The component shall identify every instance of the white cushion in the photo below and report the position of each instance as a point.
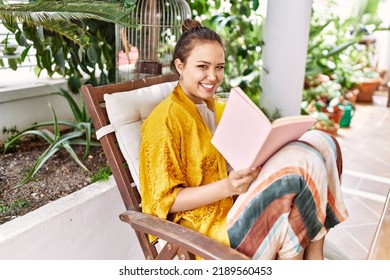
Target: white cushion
(126, 111)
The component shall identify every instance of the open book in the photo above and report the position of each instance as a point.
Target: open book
(245, 136)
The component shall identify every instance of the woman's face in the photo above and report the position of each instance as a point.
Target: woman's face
(203, 71)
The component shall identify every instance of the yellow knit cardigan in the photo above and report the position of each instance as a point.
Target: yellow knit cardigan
(176, 153)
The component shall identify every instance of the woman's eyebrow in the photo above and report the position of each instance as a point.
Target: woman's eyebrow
(202, 61)
(206, 62)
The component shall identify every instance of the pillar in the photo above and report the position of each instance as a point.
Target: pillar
(286, 37)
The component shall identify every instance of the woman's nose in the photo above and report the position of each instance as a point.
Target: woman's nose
(211, 75)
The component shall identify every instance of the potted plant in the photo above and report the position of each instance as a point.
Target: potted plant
(326, 98)
(368, 82)
(325, 124)
(328, 126)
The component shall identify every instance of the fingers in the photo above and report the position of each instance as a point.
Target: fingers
(247, 172)
(240, 180)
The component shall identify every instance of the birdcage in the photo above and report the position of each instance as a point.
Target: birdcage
(147, 49)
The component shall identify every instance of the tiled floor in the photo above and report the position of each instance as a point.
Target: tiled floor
(366, 177)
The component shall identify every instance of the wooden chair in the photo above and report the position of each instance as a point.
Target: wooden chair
(181, 243)
(380, 246)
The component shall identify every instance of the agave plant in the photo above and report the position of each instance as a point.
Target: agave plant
(78, 132)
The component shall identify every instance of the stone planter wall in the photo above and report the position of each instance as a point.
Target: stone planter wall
(82, 225)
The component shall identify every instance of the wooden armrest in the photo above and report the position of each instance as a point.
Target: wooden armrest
(380, 247)
(190, 240)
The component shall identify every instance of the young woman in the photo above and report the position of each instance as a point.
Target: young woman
(283, 209)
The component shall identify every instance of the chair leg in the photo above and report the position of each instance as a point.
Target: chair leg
(388, 95)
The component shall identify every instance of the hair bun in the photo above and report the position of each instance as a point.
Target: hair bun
(189, 24)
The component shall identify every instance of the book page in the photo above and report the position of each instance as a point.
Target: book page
(291, 119)
(241, 131)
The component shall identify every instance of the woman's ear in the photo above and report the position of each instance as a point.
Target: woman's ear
(179, 65)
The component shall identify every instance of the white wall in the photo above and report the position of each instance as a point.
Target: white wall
(22, 105)
(82, 225)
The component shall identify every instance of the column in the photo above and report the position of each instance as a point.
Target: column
(286, 37)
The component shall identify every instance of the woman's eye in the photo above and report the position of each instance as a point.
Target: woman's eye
(221, 67)
(202, 66)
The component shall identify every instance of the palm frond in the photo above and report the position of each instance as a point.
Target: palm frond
(67, 29)
(53, 10)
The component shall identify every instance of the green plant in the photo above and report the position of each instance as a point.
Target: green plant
(11, 132)
(365, 16)
(78, 132)
(73, 38)
(338, 49)
(10, 51)
(276, 114)
(6, 209)
(240, 26)
(324, 91)
(366, 74)
(7, 47)
(103, 174)
(326, 124)
(323, 120)
(328, 38)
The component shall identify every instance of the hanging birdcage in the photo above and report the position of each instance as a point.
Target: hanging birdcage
(147, 49)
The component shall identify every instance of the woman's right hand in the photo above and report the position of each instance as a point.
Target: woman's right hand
(239, 181)
(236, 183)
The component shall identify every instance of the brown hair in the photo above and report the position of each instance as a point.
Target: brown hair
(193, 32)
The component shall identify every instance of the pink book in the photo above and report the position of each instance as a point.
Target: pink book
(245, 136)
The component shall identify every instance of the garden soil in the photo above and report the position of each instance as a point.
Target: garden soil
(58, 177)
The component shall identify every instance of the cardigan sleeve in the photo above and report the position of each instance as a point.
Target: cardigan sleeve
(162, 176)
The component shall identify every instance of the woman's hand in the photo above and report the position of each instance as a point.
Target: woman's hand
(236, 183)
(239, 181)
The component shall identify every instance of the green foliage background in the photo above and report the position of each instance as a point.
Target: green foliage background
(241, 27)
(74, 38)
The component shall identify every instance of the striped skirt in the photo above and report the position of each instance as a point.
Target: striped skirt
(295, 200)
